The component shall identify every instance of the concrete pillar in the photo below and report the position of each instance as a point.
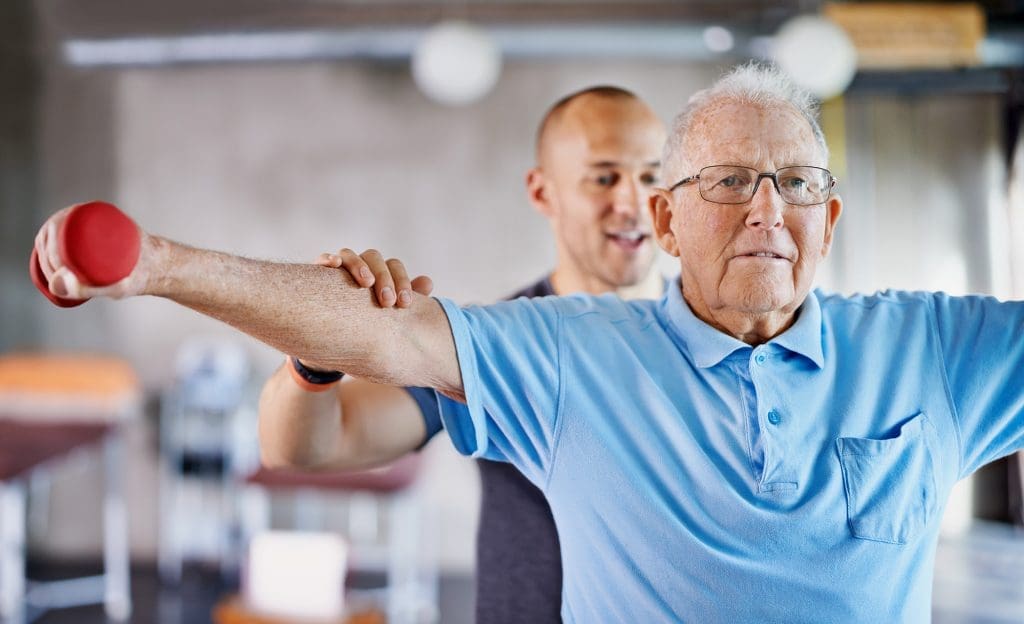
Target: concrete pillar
(19, 169)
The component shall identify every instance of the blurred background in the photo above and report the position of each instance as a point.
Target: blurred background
(279, 130)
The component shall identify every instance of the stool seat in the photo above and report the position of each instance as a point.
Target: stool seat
(390, 478)
(67, 387)
(26, 445)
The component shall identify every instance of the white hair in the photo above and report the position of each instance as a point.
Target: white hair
(756, 83)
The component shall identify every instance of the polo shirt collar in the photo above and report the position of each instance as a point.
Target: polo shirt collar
(709, 346)
(805, 336)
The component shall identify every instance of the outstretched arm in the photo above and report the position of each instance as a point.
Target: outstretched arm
(355, 423)
(313, 312)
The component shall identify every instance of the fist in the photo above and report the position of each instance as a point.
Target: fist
(88, 250)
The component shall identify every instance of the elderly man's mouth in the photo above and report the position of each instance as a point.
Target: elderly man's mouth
(762, 256)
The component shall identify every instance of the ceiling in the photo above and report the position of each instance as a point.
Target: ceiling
(158, 32)
(124, 18)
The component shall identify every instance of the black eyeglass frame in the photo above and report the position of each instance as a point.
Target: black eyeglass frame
(773, 176)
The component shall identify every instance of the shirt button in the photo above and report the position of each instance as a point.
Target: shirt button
(760, 358)
(774, 417)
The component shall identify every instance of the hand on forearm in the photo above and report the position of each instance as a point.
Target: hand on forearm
(354, 424)
(388, 278)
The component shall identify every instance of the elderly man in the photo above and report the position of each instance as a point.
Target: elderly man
(744, 450)
(598, 154)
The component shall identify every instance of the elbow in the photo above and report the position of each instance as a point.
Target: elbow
(276, 455)
(279, 450)
(274, 459)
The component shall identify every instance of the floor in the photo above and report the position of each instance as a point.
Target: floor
(979, 579)
(200, 590)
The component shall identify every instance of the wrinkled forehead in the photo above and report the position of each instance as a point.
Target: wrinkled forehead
(764, 137)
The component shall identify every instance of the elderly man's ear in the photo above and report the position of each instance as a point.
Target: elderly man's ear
(661, 207)
(833, 210)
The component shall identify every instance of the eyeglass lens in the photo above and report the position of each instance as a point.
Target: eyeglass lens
(727, 184)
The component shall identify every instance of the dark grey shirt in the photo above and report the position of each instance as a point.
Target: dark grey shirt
(519, 564)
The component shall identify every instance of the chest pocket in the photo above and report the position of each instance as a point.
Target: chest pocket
(890, 483)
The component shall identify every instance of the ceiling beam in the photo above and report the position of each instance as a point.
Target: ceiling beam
(73, 19)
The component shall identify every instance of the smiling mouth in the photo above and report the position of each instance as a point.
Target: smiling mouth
(628, 239)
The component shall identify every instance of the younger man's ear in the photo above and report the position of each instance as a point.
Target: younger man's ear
(537, 192)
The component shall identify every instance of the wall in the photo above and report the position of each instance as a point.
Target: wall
(19, 169)
(927, 209)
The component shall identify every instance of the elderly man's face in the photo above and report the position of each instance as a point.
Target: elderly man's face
(753, 259)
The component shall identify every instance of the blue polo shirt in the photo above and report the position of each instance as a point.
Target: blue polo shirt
(696, 479)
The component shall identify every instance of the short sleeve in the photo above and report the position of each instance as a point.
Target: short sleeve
(982, 343)
(508, 356)
(426, 400)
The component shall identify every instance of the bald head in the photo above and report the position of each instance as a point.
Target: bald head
(575, 115)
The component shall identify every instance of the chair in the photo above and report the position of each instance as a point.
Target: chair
(201, 444)
(403, 550)
(52, 406)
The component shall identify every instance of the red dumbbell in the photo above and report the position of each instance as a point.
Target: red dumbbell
(98, 242)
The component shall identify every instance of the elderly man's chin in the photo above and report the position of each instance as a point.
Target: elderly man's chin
(760, 296)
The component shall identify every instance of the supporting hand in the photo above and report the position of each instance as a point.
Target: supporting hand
(388, 278)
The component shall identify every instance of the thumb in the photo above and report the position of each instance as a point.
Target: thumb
(64, 283)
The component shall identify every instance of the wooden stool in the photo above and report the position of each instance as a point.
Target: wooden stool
(232, 610)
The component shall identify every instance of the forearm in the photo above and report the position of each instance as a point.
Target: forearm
(302, 310)
(312, 312)
(355, 424)
(297, 428)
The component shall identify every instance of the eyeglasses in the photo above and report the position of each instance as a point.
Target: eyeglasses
(730, 184)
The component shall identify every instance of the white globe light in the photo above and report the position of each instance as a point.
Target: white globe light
(817, 54)
(456, 63)
(718, 39)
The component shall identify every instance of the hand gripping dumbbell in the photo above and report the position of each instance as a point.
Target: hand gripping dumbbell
(98, 243)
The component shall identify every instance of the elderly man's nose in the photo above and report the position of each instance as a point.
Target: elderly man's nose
(766, 207)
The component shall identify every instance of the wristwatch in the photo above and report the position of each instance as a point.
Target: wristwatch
(312, 380)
